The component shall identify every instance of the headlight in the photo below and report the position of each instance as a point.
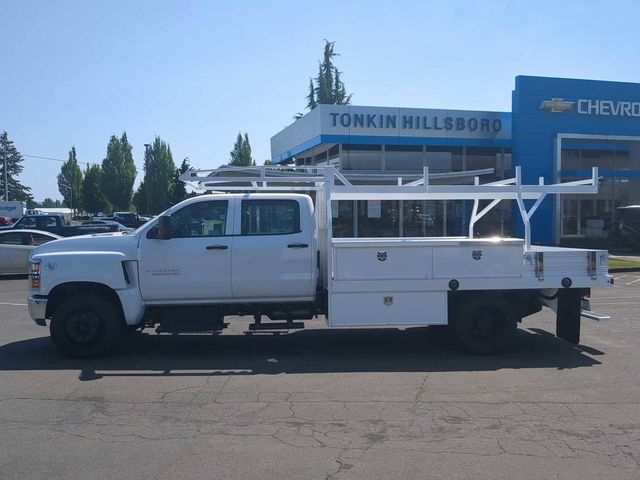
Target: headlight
(34, 275)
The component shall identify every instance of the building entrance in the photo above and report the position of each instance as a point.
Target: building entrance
(618, 160)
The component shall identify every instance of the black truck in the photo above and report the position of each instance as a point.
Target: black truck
(55, 223)
(129, 219)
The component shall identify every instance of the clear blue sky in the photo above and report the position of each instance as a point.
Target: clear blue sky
(197, 72)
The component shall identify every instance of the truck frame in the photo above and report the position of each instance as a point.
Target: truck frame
(480, 287)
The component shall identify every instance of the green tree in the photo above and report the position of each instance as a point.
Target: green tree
(48, 203)
(268, 162)
(118, 173)
(70, 181)
(140, 202)
(93, 200)
(311, 96)
(328, 88)
(155, 191)
(241, 153)
(179, 192)
(16, 190)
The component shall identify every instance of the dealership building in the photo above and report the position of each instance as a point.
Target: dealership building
(557, 129)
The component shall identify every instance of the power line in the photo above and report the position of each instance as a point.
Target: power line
(51, 158)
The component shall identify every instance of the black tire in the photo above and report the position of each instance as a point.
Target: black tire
(483, 325)
(86, 325)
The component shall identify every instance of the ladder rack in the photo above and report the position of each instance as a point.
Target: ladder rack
(330, 184)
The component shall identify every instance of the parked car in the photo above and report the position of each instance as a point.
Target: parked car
(15, 246)
(129, 219)
(5, 221)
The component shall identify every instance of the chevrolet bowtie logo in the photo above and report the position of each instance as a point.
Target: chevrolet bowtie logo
(556, 105)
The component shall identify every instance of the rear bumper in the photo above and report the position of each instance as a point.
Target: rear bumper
(37, 308)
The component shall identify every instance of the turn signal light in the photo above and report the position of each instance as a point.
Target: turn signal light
(34, 275)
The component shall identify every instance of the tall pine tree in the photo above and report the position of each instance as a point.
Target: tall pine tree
(328, 87)
(70, 181)
(241, 153)
(118, 173)
(17, 191)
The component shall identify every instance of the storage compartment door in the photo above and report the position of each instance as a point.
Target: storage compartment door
(387, 262)
(388, 309)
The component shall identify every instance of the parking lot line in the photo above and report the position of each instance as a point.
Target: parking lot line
(14, 304)
(634, 281)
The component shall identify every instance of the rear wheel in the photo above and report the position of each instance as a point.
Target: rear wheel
(483, 325)
(86, 325)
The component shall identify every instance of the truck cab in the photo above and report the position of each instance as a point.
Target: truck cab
(231, 248)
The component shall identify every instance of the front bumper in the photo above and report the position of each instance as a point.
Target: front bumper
(38, 308)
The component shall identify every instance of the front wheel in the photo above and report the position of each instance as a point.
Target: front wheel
(86, 325)
(483, 325)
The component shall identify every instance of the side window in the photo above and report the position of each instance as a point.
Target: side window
(28, 223)
(204, 219)
(39, 239)
(51, 222)
(12, 239)
(270, 217)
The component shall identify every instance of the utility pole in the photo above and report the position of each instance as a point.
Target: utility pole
(148, 151)
(6, 176)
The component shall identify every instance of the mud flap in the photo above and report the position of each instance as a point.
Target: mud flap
(568, 315)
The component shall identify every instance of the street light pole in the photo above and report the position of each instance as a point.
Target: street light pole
(65, 184)
(6, 176)
(148, 151)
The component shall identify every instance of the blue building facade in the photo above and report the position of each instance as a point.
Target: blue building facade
(558, 129)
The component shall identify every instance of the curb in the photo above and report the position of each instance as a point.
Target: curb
(624, 269)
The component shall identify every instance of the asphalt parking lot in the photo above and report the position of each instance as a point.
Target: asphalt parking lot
(325, 404)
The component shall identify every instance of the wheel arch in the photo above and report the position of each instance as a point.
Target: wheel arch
(520, 303)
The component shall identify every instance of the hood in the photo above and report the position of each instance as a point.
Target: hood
(97, 242)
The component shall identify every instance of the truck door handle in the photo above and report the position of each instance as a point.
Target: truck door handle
(217, 247)
(298, 245)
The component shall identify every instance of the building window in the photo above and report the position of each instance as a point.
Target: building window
(479, 158)
(422, 218)
(407, 158)
(378, 218)
(320, 157)
(361, 157)
(593, 216)
(342, 215)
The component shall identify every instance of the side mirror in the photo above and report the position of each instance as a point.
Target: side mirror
(164, 227)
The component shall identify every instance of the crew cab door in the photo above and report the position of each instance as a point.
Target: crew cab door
(274, 251)
(195, 264)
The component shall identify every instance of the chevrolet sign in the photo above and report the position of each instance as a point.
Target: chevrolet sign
(556, 105)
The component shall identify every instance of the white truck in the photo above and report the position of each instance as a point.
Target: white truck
(12, 209)
(272, 254)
